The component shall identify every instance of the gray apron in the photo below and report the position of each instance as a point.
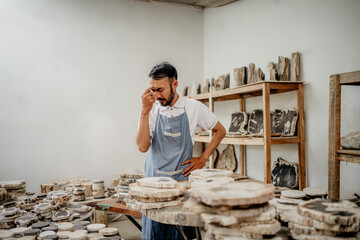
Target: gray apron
(171, 145)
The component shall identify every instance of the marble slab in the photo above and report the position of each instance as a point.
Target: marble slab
(351, 140)
(207, 173)
(157, 182)
(285, 121)
(149, 192)
(330, 211)
(285, 174)
(236, 194)
(227, 159)
(238, 123)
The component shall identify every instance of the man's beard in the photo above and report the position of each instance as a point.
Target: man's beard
(169, 100)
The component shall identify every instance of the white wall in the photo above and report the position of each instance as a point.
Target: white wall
(327, 35)
(71, 77)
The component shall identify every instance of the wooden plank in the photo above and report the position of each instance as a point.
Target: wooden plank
(285, 140)
(211, 107)
(349, 158)
(301, 135)
(267, 133)
(350, 78)
(199, 97)
(250, 140)
(349, 152)
(112, 205)
(286, 87)
(242, 158)
(334, 136)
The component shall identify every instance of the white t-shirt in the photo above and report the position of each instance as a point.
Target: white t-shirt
(199, 115)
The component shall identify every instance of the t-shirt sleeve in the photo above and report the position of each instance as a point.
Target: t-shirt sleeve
(206, 118)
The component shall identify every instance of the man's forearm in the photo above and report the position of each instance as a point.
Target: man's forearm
(219, 134)
(143, 135)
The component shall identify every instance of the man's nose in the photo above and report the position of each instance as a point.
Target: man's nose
(157, 95)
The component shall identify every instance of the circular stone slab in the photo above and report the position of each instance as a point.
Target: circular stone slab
(235, 194)
(206, 173)
(6, 234)
(293, 194)
(31, 232)
(63, 234)
(18, 230)
(149, 192)
(46, 233)
(95, 227)
(132, 173)
(65, 226)
(108, 231)
(211, 182)
(40, 225)
(51, 237)
(157, 182)
(85, 223)
(50, 228)
(77, 235)
(15, 184)
(10, 211)
(27, 238)
(314, 192)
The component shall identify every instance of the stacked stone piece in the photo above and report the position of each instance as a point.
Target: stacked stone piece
(236, 210)
(8, 217)
(79, 194)
(155, 193)
(125, 179)
(98, 189)
(15, 188)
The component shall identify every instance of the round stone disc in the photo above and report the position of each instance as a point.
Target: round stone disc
(77, 235)
(211, 182)
(46, 233)
(18, 230)
(157, 182)
(51, 237)
(50, 228)
(132, 173)
(85, 223)
(65, 226)
(40, 225)
(31, 232)
(108, 231)
(6, 234)
(314, 191)
(95, 227)
(206, 173)
(235, 194)
(149, 192)
(293, 194)
(63, 234)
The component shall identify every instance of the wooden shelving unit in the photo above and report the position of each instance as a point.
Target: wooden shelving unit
(264, 89)
(336, 154)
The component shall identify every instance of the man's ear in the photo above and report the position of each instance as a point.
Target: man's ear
(175, 83)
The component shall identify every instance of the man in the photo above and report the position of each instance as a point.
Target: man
(167, 130)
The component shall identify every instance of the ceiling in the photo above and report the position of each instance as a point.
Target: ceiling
(195, 3)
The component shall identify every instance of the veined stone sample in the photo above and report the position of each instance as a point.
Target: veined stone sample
(235, 194)
(240, 76)
(283, 69)
(285, 121)
(79, 208)
(157, 182)
(61, 215)
(314, 192)
(293, 194)
(154, 193)
(295, 67)
(227, 160)
(259, 75)
(210, 182)
(109, 231)
(95, 227)
(238, 124)
(227, 81)
(98, 188)
(351, 141)
(14, 188)
(206, 86)
(272, 71)
(219, 83)
(79, 194)
(61, 198)
(251, 74)
(207, 173)
(285, 174)
(256, 125)
(3, 194)
(26, 220)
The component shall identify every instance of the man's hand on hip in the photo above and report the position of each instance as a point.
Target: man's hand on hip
(195, 163)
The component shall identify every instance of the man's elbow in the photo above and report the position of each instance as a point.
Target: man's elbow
(143, 149)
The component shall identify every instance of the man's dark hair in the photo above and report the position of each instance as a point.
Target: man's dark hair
(162, 70)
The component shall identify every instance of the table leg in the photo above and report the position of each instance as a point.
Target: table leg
(134, 222)
(198, 233)
(181, 232)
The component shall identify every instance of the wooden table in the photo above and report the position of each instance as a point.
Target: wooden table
(112, 205)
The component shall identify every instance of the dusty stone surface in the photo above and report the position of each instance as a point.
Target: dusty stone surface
(95, 227)
(149, 192)
(330, 211)
(236, 194)
(293, 194)
(13, 184)
(152, 205)
(211, 182)
(207, 173)
(315, 191)
(6, 234)
(77, 235)
(238, 123)
(351, 141)
(157, 182)
(285, 174)
(227, 159)
(65, 226)
(108, 231)
(63, 234)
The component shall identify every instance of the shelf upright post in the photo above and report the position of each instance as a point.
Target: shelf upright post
(242, 158)
(301, 136)
(334, 137)
(211, 107)
(267, 131)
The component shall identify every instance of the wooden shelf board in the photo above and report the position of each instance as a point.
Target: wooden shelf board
(349, 158)
(248, 90)
(250, 140)
(350, 78)
(349, 152)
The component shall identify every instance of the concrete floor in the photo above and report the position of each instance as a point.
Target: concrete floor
(127, 230)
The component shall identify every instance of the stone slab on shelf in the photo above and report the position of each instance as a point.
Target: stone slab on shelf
(227, 159)
(285, 174)
(285, 121)
(351, 141)
(238, 123)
